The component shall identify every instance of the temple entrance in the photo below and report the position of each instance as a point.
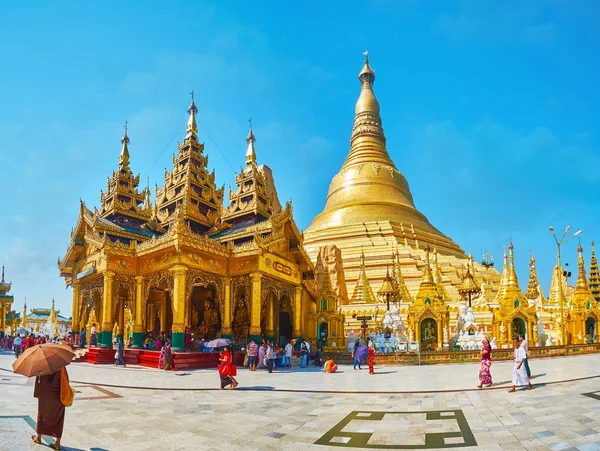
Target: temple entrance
(428, 334)
(159, 313)
(590, 330)
(205, 318)
(285, 328)
(322, 333)
(519, 328)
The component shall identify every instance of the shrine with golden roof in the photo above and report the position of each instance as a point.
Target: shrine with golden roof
(236, 271)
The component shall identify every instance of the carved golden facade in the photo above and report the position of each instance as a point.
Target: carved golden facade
(326, 320)
(583, 311)
(186, 261)
(6, 301)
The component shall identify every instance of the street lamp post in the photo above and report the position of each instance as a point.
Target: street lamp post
(559, 243)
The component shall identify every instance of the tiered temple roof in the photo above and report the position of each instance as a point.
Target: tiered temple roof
(190, 186)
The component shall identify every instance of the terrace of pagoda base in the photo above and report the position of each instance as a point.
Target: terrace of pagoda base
(433, 357)
(144, 357)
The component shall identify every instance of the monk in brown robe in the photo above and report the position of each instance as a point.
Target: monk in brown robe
(51, 411)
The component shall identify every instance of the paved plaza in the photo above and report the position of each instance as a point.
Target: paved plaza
(411, 407)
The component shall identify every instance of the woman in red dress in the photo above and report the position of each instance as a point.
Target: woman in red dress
(227, 370)
(371, 358)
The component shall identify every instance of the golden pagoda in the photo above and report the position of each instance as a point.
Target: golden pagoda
(188, 261)
(514, 315)
(6, 301)
(583, 312)
(594, 275)
(369, 205)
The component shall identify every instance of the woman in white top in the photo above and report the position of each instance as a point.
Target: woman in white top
(519, 373)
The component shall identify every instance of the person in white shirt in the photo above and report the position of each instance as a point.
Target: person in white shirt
(525, 346)
(288, 355)
(519, 378)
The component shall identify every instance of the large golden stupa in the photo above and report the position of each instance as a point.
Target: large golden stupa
(370, 209)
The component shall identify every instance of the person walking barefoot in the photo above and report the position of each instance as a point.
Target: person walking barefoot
(485, 377)
(519, 373)
(371, 358)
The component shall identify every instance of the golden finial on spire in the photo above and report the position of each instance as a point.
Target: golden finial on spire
(191, 126)
(250, 152)
(124, 158)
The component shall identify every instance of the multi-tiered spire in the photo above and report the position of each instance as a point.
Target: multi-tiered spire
(582, 298)
(503, 279)
(189, 188)
(428, 290)
(363, 294)
(369, 188)
(255, 199)
(513, 297)
(534, 291)
(122, 202)
(398, 279)
(594, 275)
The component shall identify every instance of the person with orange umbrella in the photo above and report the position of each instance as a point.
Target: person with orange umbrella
(47, 362)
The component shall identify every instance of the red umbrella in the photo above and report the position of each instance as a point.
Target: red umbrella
(42, 360)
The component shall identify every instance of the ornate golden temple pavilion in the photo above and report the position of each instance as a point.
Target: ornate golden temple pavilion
(188, 260)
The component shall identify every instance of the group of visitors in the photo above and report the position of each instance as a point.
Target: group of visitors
(521, 371)
(19, 343)
(271, 355)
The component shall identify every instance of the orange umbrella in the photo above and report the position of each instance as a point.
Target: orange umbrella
(42, 360)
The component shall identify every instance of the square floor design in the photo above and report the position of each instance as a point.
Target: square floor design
(401, 430)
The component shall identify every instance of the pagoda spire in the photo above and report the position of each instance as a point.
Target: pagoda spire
(594, 280)
(512, 281)
(437, 276)
(583, 297)
(122, 197)
(557, 286)
(124, 157)
(2, 273)
(533, 288)
(250, 152)
(428, 290)
(192, 129)
(503, 279)
(399, 280)
(363, 294)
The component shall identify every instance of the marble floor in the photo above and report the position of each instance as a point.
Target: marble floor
(427, 407)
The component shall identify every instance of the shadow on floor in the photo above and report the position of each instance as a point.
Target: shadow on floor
(257, 387)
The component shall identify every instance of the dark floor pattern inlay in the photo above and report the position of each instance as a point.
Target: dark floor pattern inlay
(401, 430)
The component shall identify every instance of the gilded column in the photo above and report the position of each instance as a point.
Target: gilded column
(270, 323)
(121, 318)
(255, 279)
(107, 307)
(178, 303)
(2, 319)
(163, 313)
(297, 332)
(138, 327)
(226, 331)
(75, 326)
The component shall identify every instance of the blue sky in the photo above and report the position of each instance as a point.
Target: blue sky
(489, 108)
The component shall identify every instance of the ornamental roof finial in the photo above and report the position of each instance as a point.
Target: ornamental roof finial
(2, 273)
(250, 152)
(191, 126)
(124, 158)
